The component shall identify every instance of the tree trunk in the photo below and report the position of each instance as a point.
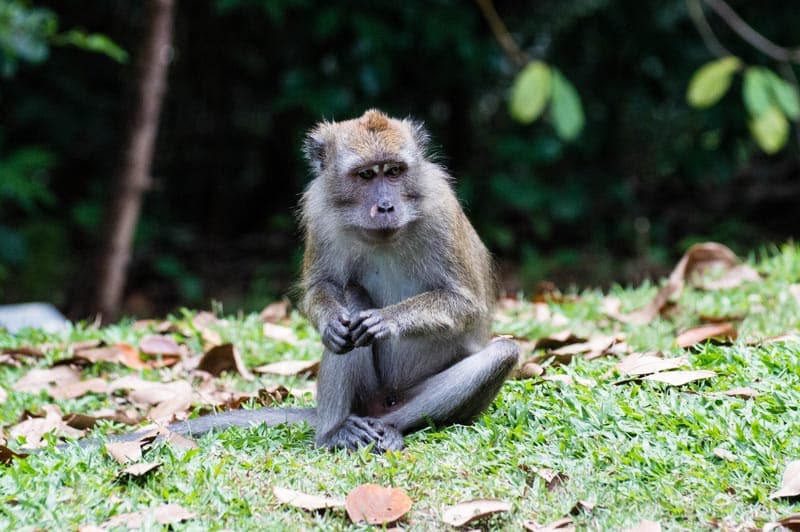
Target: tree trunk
(134, 175)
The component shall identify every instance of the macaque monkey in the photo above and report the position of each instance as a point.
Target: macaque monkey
(399, 286)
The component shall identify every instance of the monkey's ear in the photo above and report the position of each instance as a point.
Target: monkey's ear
(420, 135)
(315, 147)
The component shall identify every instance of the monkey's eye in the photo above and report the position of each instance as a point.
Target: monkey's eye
(366, 173)
(393, 170)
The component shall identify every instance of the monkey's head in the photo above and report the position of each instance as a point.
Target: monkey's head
(369, 173)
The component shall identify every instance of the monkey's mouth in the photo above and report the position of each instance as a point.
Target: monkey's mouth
(380, 234)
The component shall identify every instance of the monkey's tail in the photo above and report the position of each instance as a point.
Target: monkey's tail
(218, 422)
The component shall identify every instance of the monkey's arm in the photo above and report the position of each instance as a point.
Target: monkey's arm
(435, 311)
(324, 306)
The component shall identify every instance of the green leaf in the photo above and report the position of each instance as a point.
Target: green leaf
(94, 42)
(711, 81)
(530, 92)
(770, 129)
(756, 91)
(565, 106)
(784, 94)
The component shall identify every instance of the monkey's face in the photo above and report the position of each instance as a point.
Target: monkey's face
(383, 200)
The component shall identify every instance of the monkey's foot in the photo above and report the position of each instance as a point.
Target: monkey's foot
(357, 432)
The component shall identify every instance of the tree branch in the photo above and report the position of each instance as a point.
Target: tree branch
(704, 29)
(755, 39)
(501, 33)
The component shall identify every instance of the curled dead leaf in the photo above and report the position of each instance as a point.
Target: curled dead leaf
(140, 469)
(38, 379)
(582, 507)
(722, 332)
(553, 479)
(275, 312)
(790, 483)
(377, 505)
(681, 377)
(223, 358)
(280, 333)
(130, 451)
(7, 455)
(290, 368)
(465, 512)
(565, 524)
(302, 500)
(528, 370)
(792, 522)
(637, 364)
(742, 393)
(33, 429)
(164, 514)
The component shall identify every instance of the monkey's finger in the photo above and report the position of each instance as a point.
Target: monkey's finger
(344, 319)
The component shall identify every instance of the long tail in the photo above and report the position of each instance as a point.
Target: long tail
(223, 420)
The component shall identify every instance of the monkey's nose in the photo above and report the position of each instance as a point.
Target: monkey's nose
(385, 206)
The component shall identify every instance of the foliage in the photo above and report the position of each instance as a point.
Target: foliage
(615, 173)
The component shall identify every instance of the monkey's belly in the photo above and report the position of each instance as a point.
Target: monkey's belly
(404, 362)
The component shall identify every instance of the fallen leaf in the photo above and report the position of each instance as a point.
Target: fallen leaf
(725, 454)
(7, 455)
(33, 429)
(181, 442)
(565, 524)
(528, 370)
(698, 260)
(129, 451)
(724, 331)
(645, 363)
(157, 344)
(78, 389)
(598, 344)
(563, 379)
(166, 411)
(163, 515)
(280, 333)
(140, 469)
(203, 319)
(124, 354)
(558, 339)
(23, 351)
(290, 368)
(792, 522)
(681, 377)
(645, 525)
(153, 393)
(377, 505)
(742, 393)
(275, 312)
(552, 479)
(582, 507)
(790, 484)
(38, 379)
(465, 512)
(306, 502)
(222, 358)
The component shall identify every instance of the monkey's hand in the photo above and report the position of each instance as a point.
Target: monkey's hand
(370, 325)
(336, 336)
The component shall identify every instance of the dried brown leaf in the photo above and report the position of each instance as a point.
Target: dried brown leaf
(565, 524)
(78, 389)
(681, 377)
(178, 403)
(22, 352)
(724, 332)
(140, 469)
(638, 364)
(725, 454)
(33, 430)
(280, 333)
(528, 370)
(129, 451)
(792, 522)
(157, 344)
(645, 525)
(38, 379)
(582, 507)
(124, 354)
(553, 479)
(465, 512)
(290, 368)
(377, 505)
(558, 339)
(742, 393)
(7, 455)
(163, 515)
(306, 502)
(223, 358)
(179, 441)
(790, 484)
(153, 393)
(275, 312)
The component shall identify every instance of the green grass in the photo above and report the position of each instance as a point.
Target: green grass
(639, 450)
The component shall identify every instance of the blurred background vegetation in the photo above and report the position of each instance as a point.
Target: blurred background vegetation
(614, 200)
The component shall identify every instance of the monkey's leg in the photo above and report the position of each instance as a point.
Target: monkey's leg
(459, 393)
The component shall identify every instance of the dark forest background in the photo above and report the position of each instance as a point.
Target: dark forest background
(647, 176)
